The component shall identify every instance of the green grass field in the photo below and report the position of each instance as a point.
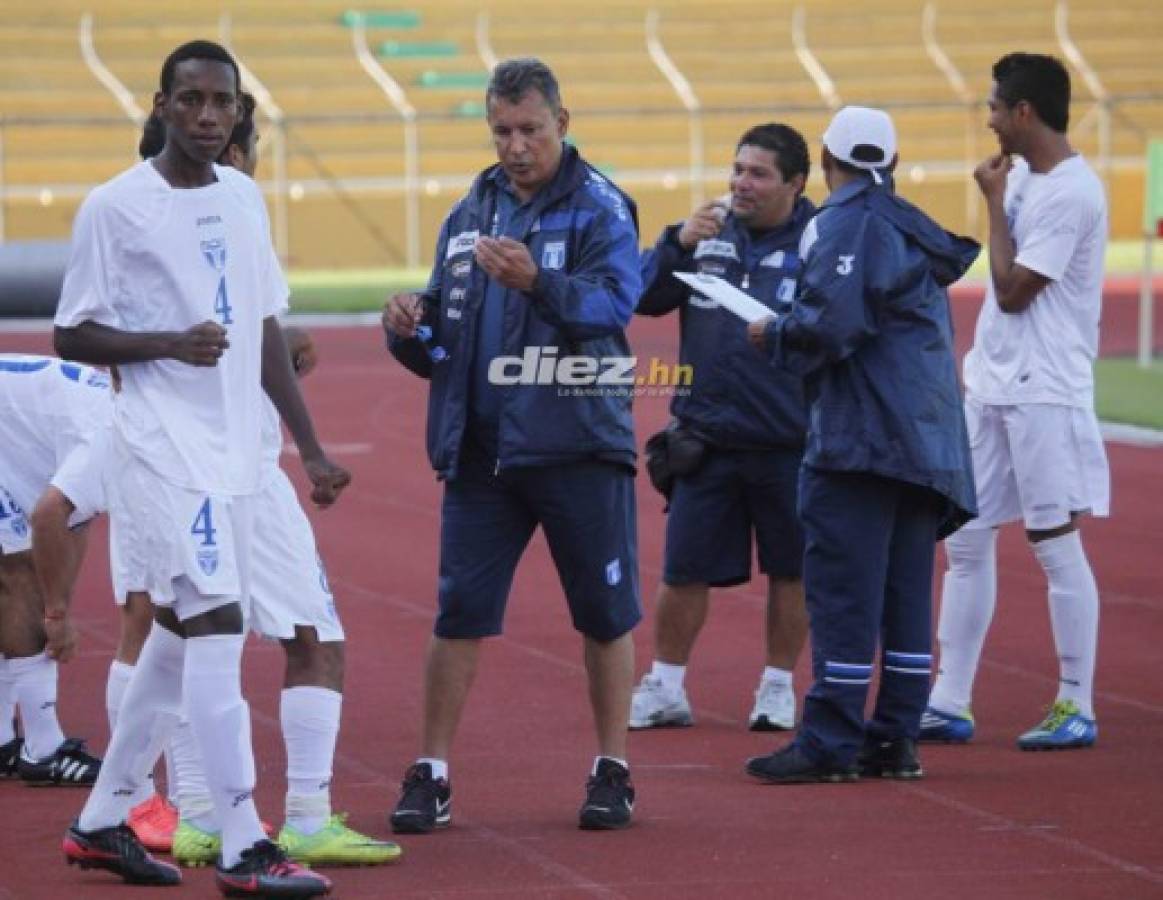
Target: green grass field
(1125, 393)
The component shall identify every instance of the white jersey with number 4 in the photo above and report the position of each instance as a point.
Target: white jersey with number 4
(147, 257)
(1045, 354)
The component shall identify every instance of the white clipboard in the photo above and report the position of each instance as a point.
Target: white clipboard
(727, 295)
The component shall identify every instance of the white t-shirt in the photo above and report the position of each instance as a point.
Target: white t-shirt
(1045, 354)
(57, 419)
(149, 257)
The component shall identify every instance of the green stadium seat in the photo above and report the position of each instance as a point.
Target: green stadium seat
(432, 78)
(380, 19)
(419, 49)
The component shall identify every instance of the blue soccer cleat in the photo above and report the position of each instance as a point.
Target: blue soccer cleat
(1064, 728)
(944, 728)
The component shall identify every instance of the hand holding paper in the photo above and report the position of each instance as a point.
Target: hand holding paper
(727, 295)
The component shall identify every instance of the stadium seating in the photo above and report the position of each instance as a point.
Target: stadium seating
(61, 131)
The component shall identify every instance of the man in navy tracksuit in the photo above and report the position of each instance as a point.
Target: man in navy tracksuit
(751, 419)
(886, 470)
(521, 332)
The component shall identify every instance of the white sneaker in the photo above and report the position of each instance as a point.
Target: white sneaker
(653, 706)
(775, 707)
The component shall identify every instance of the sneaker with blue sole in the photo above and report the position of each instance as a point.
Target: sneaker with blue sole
(945, 728)
(1064, 728)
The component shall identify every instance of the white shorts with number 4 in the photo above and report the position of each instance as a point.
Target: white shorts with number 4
(1037, 462)
(188, 549)
(287, 582)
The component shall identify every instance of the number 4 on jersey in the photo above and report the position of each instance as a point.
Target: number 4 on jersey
(203, 526)
(222, 307)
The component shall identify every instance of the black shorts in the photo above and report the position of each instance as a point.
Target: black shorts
(587, 511)
(714, 511)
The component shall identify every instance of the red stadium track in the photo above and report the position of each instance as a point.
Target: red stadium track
(988, 821)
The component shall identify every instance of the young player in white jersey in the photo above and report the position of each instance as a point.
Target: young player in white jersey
(170, 278)
(291, 602)
(54, 413)
(1029, 402)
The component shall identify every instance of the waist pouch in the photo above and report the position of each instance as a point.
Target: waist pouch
(672, 453)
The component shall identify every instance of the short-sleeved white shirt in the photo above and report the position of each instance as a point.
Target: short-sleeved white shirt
(148, 257)
(57, 418)
(1045, 354)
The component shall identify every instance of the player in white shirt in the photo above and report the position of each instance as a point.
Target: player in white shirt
(170, 278)
(53, 415)
(1029, 402)
(291, 602)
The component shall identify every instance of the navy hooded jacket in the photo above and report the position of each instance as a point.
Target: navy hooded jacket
(736, 399)
(870, 332)
(582, 233)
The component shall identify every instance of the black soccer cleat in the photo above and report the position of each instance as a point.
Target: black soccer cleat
(69, 764)
(265, 871)
(425, 802)
(117, 850)
(609, 801)
(10, 757)
(791, 765)
(892, 758)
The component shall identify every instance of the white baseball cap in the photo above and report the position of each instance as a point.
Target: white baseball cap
(862, 137)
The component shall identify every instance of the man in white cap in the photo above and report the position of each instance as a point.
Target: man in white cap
(887, 468)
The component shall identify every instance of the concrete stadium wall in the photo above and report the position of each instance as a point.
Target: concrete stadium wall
(31, 275)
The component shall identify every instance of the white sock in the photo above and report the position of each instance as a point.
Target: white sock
(220, 719)
(149, 711)
(189, 790)
(669, 674)
(7, 703)
(34, 680)
(171, 772)
(597, 759)
(310, 720)
(439, 766)
(776, 676)
(1073, 616)
(968, 598)
(115, 685)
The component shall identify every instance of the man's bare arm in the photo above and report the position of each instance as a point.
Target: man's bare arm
(1014, 286)
(278, 380)
(200, 345)
(57, 553)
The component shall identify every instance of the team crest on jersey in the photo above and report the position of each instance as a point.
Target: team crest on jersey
(214, 252)
(461, 243)
(711, 247)
(553, 255)
(786, 292)
(208, 560)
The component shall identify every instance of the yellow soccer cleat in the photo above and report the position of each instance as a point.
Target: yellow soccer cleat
(195, 847)
(337, 845)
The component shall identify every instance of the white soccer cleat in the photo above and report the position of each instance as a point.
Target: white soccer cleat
(653, 706)
(775, 707)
